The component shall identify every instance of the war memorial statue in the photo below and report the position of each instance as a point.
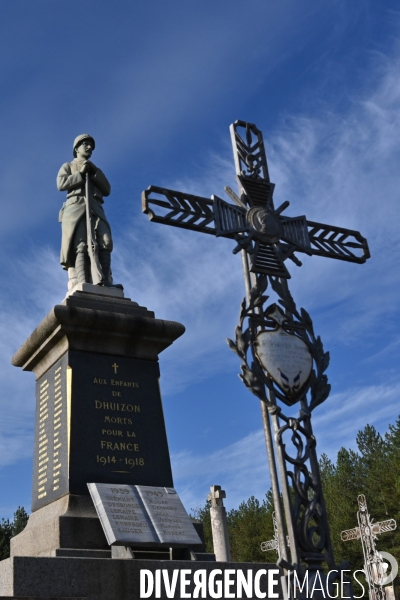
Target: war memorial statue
(105, 517)
(86, 243)
(103, 499)
(100, 426)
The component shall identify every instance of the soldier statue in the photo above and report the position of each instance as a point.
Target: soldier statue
(86, 233)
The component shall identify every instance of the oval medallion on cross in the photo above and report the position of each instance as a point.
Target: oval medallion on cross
(285, 357)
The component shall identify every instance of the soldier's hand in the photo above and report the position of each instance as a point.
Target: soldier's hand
(88, 167)
(92, 168)
(85, 168)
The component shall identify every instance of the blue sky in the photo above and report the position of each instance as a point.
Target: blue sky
(158, 84)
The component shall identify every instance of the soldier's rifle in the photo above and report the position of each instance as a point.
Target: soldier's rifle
(92, 245)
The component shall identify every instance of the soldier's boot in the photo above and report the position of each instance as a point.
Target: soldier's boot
(81, 264)
(105, 261)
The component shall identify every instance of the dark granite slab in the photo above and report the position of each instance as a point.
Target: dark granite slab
(99, 418)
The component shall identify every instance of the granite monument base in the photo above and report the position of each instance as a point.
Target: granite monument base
(119, 579)
(67, 527)
(99, 415)
(99, 418)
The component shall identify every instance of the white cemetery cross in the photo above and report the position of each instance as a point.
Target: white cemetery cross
(283, 361)
(142, 515)
(374, 565)
(274, 543)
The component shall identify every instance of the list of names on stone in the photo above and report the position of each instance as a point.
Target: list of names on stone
(121, 513)
(168, 515)
(58, 410)
(43, 439)
(51, 434)
(137, 515)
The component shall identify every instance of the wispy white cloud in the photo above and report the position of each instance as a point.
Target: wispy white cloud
(42, 286)
(242, 468)
(341, 169)
(344, 414)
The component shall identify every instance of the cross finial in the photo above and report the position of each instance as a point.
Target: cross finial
(216, 496)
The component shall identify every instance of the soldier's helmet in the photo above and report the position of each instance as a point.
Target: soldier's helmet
(79, 139)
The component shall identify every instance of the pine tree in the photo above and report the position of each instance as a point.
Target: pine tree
(249, 526)
(20, 520)
(9, 529)
(202, 514)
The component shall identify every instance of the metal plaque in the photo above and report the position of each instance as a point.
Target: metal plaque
(142, 515)
(286, 359)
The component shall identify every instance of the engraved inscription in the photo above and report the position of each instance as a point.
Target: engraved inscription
(122, 514)
(286, 359)
(117, 442)
(142, 514)
(43, 439)
(49, 441)
(168, 515)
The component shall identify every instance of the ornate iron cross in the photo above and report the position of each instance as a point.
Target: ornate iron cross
(266, 240)
(268, 237)
(368, 531)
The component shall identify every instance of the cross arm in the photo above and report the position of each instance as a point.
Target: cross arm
(213, 216)
(179, 209)
(376, 528)
(269, 545)
(384, 526)
(350, 534)
(336, 242)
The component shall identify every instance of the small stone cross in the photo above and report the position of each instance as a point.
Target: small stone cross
(219, 524)
(216, 496)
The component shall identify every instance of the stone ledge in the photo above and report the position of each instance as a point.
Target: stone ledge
(98, 290)
(111, 326)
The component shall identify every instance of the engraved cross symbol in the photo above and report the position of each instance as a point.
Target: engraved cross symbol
(115, 367)
(257, 226)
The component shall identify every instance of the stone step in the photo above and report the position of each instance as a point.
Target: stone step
(47, 578)
(73, 553)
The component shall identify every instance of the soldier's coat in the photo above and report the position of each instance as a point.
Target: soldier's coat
(74, 209)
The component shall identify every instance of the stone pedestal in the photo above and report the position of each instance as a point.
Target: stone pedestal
(99, 416)
(98, 419)
(68, 526)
